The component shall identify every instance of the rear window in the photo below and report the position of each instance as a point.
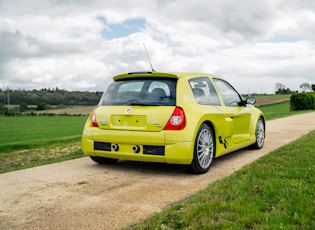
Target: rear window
(141, 91)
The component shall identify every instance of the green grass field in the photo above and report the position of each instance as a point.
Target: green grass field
(30, 131)
(278, 110)
(273, 96)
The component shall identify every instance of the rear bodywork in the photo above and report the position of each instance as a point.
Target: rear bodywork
(121, 127)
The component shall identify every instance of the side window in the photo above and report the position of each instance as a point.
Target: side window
(204, 91)
(229, 95)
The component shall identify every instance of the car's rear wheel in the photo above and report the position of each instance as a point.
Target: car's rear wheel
(260, 134)
(103, 160)
(204, 150)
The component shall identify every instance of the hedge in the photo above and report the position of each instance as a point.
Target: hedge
(302, 101)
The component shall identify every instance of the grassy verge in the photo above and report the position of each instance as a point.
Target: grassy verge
(29, 141)
(275, 192)
(48, 154)
(279, 110)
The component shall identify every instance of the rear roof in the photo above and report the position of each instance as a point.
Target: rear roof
(160, 74)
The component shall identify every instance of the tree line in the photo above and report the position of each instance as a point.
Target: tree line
(44, 98)
(305, 87)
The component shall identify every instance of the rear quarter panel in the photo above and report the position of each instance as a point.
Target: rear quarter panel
(197, 114)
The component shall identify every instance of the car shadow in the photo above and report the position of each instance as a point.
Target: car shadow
(142, 167)
(164, 168)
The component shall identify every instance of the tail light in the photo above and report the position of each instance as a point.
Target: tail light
(93, 120)
(177, 121)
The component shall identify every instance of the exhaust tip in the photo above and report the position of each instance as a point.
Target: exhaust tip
(115, 147)
(136, 149)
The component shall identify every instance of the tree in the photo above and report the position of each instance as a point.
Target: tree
(41, 106)
(313, 87)
(2, 97)
(305, 86)
(23, 107)
(2, 107)
(279, 87)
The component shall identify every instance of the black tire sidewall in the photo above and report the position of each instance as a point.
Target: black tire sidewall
(195, 165)
(256, 145)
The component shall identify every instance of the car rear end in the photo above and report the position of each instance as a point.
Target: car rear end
(138, 119)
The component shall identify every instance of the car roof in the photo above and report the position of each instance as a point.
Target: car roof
(161, 74)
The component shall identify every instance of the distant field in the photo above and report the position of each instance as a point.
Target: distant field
(69, 110)
(271, 99)
(27, 131)
(261, 100)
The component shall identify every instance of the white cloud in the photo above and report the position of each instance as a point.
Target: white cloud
(65, 44)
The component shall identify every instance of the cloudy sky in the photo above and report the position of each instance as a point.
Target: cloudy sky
(80, 44)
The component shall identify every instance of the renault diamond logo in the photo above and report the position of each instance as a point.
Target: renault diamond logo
(128, 110)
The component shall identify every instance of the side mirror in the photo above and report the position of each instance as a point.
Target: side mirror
(251, 100)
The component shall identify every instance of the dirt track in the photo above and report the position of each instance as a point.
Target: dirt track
(79, 194)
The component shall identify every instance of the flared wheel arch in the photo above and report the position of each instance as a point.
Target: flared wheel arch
(255, 145)
(209, 123)
(195, 167)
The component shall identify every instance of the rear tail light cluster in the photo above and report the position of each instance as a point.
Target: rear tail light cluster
(177, 120)
(94, 120)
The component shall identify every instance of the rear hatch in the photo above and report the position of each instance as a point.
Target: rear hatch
(143, 103)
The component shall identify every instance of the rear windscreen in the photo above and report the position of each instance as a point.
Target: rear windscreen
(142, 91)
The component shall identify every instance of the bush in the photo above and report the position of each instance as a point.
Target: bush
(302, 101)
(23, 107)
(42, 106)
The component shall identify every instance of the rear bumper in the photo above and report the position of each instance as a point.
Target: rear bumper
(165, 146)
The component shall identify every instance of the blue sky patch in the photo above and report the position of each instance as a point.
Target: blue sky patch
(123, 29)
(284, 38)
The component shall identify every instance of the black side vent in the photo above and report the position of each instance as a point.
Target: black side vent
(102, 146)
(154, 150)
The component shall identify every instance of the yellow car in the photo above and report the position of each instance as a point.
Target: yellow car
(176, 118)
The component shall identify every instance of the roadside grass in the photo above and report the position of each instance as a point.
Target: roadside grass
(279, 110)
(275, 192)
(46, 154)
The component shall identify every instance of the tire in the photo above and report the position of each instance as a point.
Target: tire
(103, 160)
(204, 150)
(260, 134)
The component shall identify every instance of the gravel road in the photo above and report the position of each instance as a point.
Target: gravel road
(80, 194)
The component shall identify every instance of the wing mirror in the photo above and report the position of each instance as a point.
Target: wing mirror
(251, 100)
